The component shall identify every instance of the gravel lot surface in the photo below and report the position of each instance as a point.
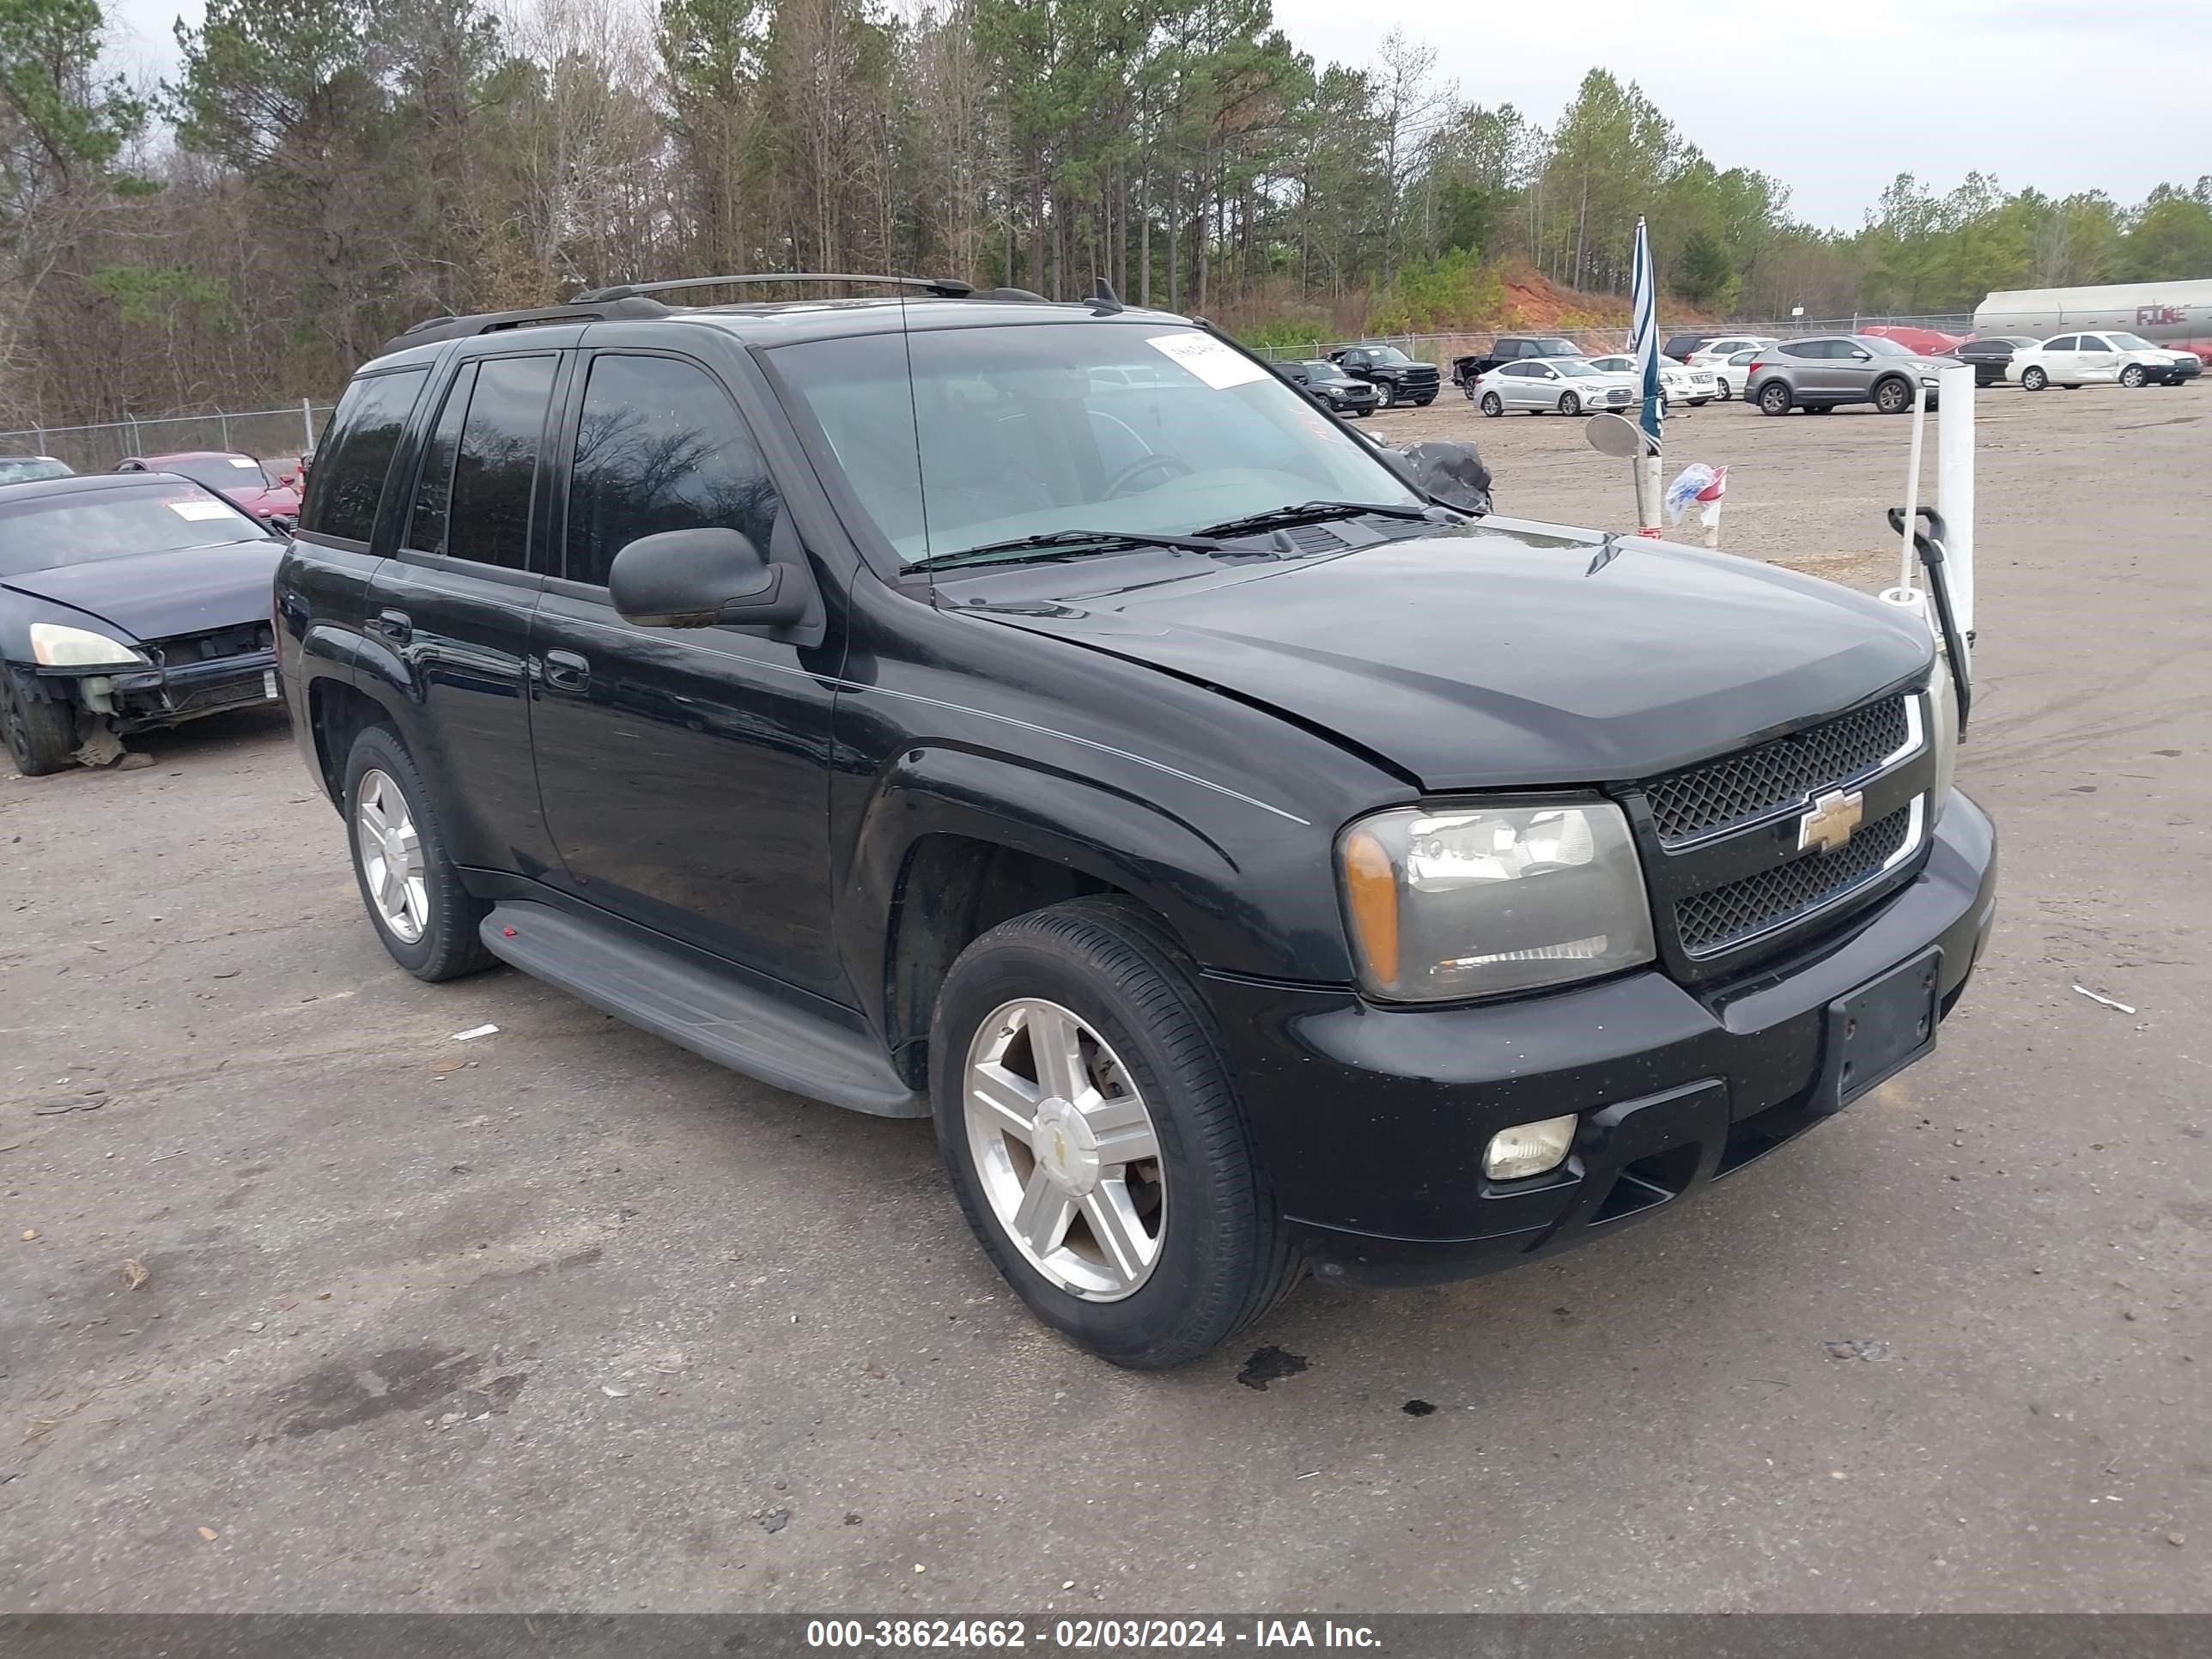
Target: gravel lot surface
(563, 1317)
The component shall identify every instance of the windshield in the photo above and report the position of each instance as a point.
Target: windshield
(1882, 348)
(1557, 348)
(1571, 367)
(1011, 434)
(1386, 355)
(216, 471)
(2131, 342)
(1328, 371)
(17, 469)
(50, 531)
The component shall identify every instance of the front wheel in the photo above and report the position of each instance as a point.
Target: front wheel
(2033, 378)
(2132, 376)
(1774, 399)
(427, 919)
(1087, 1118)
(1570, 404)
(41, 736)
(1894, 398)
(1382, 398)
(1720, 390)
(1492, 404)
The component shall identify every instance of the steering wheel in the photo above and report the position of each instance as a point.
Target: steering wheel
(1173, 466)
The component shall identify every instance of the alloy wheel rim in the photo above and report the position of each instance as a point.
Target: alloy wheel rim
(1065, 1149)
(392, 863)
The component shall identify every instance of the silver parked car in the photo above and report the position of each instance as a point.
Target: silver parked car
(1821, 371)
(1567, 385)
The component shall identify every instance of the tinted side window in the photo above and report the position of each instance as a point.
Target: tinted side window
(2095, 342)
(1810, 348)
(434, 493)
(355, 453)
(497, 464)
(659, 447)
(2063, 343)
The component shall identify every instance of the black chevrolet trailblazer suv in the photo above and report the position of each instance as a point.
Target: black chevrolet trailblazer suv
(1042, 718)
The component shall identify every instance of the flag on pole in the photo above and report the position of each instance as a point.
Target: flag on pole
(1644, 346)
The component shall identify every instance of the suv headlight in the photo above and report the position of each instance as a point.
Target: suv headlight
(55, 645)
(1943, 734)
(1465, 903)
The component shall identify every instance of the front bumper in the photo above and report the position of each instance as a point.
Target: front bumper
(147, 698)
(1370, 1122)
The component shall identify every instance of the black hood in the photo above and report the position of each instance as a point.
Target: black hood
(153, 596)
(1507, 654)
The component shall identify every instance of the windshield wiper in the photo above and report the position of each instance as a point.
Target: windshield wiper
(1311, 513)
(1064, 543)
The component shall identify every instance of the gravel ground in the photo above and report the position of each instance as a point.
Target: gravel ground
(565, 1318)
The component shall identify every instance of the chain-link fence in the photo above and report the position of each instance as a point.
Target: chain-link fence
(267, 434)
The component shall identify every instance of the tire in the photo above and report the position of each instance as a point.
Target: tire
(1699, 403)
(1422, 403)
(1571, 405)
(1382, 397)
(1222, 1254)
(1892, 396)
(2033, 378)
(2133, 377)
(446, 944)
(1720, 390)
(1492, 404)
(1774, 399)
(41, 736)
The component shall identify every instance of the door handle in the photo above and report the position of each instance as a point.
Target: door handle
(566, 672)
(395, 625)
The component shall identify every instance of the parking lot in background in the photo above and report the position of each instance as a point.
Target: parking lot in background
(562, 1317)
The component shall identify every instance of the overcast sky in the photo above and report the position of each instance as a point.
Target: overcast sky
(1833, 101)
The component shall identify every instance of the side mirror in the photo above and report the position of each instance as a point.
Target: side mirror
(1863, 356)
(703, 578)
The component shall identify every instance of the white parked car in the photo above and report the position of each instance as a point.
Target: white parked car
(1564, 385)
(1695, 386)
(2077, 360)
(1729, 376)
(1714, 353)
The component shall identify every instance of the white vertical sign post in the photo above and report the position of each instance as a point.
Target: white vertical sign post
(1955, 483)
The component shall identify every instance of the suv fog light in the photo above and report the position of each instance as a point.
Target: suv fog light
(1529, 1149)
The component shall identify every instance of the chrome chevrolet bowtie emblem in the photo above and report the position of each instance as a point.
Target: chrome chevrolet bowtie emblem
(1831, 820)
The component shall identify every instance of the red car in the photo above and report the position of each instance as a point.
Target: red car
(1927, 342)
(257, 486)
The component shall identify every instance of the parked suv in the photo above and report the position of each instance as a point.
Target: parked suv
(1250, 864)
(1330, 387)
(1822, 372)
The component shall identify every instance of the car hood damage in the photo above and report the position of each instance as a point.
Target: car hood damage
(1505, 654)
(151, 596)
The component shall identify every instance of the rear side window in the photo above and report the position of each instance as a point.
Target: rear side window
(1810, 348)
(355, 453)
(659, 447)
(2063, 343)
(496, 466)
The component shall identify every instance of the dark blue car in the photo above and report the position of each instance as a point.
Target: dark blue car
(127, 602)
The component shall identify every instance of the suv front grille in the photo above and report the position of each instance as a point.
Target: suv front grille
(1716, 797)
(213, 646)
(1715, 920)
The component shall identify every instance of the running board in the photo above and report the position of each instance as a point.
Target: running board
(714, 1015)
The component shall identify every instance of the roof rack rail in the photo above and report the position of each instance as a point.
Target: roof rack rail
(947, 288)
(588, 309)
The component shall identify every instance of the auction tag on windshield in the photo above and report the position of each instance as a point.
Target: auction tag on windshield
(199, 509)
(1207, 358)
(250, 465)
